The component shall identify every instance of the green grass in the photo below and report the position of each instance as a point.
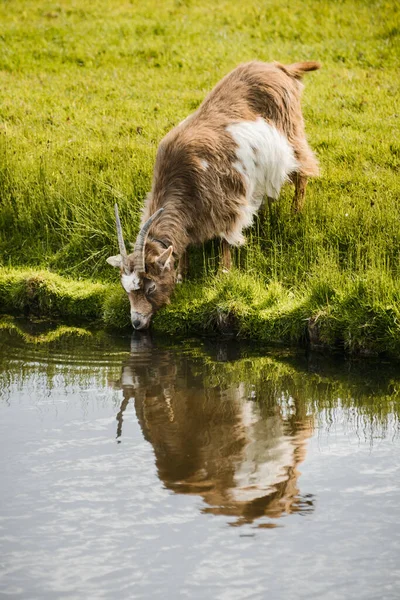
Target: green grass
(28, 291)
(88, 89)
(360, 315)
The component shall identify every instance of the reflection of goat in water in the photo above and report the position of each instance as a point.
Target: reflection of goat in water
(240, 456)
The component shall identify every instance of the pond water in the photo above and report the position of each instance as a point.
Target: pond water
(145, 468)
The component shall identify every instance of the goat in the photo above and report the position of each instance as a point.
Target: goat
(211, 175)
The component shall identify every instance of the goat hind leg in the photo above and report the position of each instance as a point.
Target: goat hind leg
(226, 259)
(300, 184)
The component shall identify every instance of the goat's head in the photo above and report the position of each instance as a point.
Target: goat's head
(147, 275)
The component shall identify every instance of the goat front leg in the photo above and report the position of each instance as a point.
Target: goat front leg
(300, 184)
(226, 259)
(182, 268)
(266, 206)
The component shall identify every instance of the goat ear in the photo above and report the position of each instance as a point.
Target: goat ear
(115, 261)
(165, 258)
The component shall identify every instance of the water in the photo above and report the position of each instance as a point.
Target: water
(135, 468)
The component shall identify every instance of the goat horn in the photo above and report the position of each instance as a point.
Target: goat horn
(121, 242)
(138, 252)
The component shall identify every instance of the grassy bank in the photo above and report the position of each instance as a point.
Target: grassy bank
(87, 91)
(360, 316)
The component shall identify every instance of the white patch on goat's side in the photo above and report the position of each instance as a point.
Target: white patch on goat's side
(204, 164)
(130, 282)
(265, 160)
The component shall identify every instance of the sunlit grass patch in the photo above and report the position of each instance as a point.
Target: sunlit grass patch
(359, 315)
(37, 292)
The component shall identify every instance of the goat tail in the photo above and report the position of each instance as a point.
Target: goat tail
(298, 69)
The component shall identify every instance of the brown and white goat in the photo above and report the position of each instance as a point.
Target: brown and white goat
(212, 173)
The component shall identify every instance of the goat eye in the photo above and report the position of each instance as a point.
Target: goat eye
(149, 286)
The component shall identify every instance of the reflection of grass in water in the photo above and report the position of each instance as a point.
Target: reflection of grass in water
(52, 335)
(79, 357)
(88, 91)
(367, 392)
(362, 395)
(302, 386)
